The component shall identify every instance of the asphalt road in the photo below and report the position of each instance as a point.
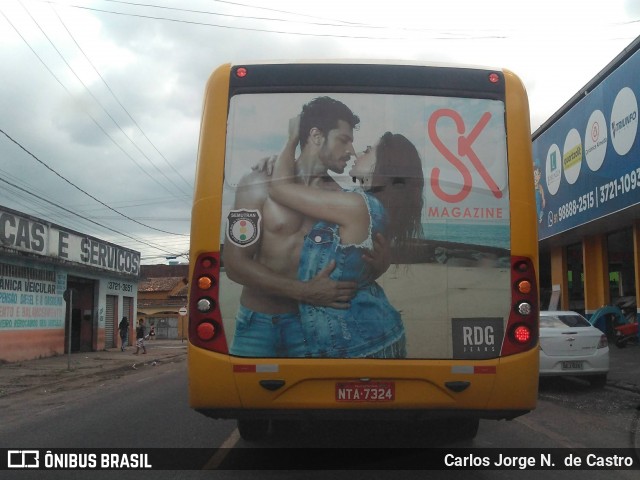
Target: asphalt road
(149, 408)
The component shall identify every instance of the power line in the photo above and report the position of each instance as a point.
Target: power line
(244, 17)
(444, 35)
(84, 191)
(86, 112)
(75, 223)
(17, 196)
(346, 22)
(334, 22)
(38, 207)
(164, 219)
(96, 99)
(83, 217)
(264, 30)
(118, 100)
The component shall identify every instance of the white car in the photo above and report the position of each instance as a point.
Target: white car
(571, 346)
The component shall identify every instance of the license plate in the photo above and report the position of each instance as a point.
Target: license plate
(365, 392)
(571, 365)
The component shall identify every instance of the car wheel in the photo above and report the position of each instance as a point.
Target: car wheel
(253, 430)
(598, 381)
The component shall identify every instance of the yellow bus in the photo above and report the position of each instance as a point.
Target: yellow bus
(363, 245)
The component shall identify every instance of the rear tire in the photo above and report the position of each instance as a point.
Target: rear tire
(253, 430)
(285, 428)
(598, 381)
(464, 428)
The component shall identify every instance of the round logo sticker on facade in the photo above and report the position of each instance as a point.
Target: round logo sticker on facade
(595, 140)
(243, 227)
(624, 121)
(553, 169)
(572, 156)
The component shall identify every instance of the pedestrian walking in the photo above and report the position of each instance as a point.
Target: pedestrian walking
(123, 327)
(140, 337)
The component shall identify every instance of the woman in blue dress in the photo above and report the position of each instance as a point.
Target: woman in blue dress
(389, 200)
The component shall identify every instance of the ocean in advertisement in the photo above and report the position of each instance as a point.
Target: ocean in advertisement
(490, 235)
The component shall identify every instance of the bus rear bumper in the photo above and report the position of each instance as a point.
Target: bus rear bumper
(359, 414)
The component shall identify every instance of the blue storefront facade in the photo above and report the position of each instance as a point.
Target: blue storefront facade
(587, 169)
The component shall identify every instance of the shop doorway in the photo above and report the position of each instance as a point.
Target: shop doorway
(111, 322)
(575, 278)
(622, 276)
(82, 321)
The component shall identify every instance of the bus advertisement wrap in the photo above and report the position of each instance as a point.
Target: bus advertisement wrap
(585, 164)
(447, 226)
(363, 245)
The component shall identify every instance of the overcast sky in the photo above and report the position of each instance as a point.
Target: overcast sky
(107, 95)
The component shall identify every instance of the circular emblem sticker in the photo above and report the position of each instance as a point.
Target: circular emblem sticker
(624, 121)
(595, 140)
(572, 156)
(243, 227)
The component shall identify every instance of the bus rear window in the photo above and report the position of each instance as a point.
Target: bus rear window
(365, 225)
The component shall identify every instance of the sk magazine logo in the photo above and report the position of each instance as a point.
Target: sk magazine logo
(23, 459)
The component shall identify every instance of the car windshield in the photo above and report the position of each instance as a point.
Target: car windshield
(562, 321)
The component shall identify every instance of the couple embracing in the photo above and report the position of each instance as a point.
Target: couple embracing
(309, 286)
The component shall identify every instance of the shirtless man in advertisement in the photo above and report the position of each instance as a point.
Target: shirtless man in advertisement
(268, 321)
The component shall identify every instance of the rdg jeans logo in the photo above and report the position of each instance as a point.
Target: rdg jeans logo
(465, 144)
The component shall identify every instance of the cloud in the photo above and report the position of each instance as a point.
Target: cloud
(158, 69)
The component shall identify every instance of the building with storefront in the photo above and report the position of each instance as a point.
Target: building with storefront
(61, 289)
(162, 293)
(587, 161)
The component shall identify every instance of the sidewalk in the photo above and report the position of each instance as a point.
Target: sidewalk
(45, 373)
(624, 367)
(54, 371)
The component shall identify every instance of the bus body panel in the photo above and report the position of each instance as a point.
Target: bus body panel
(524, 231)
(205, 214)
(494, 386)
(416, 385)
(211, 380)
(516, 382)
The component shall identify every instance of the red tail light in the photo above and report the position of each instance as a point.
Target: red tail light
(522, 334)
(603, 342)
(205, 321)
(522, 327)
